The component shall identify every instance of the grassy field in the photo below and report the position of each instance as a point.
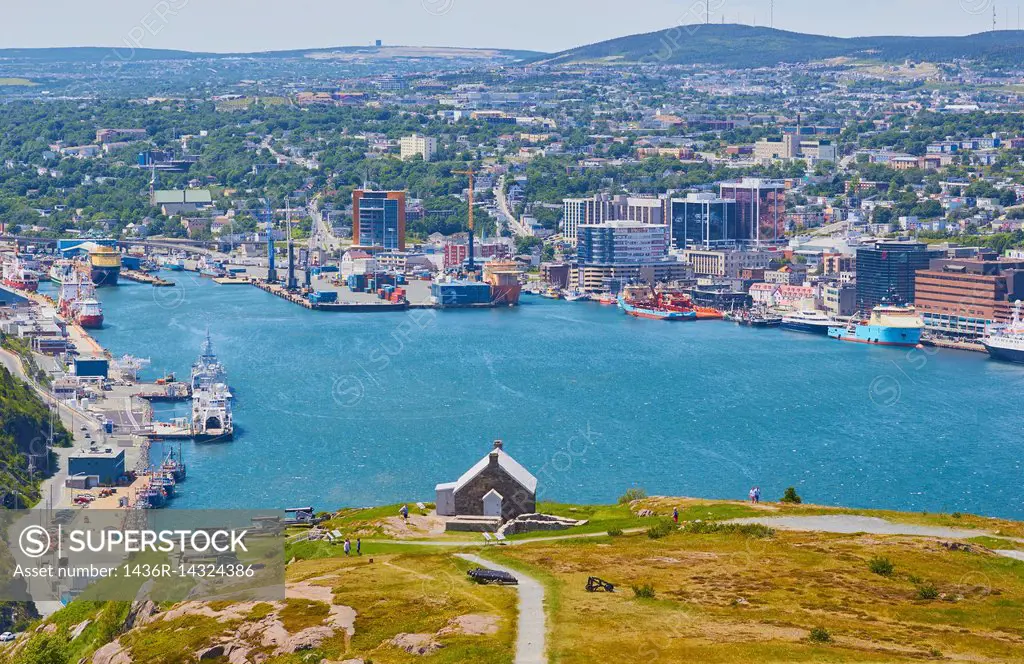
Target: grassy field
(17, 82)
(736, 598)
(707, 591)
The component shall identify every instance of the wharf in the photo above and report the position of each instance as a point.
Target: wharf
(145, 278)
(231, 281)
(954, 345)
(349, 307)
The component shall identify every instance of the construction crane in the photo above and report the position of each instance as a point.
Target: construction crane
(471, 268)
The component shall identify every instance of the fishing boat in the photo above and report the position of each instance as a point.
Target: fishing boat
(104, 265)
(889, 325)
(175, 467)
(210, 269)
(812, 322)
(16, 275)
(606, 299)
(757, 318)
(576, 296)
(1006, 342)
(552, 293)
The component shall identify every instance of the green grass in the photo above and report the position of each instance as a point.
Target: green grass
(298, 614)
(17, 82)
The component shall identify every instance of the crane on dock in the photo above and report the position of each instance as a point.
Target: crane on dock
(471, 268)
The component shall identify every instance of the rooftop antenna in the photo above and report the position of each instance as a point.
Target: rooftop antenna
(993, 18)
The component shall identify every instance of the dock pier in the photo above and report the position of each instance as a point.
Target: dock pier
(146, 278)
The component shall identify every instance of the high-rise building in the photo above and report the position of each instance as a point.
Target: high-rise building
(886, 272)
(425, 146)
(378, 220)
(621, 242)
(578, 211)
(703, 221)
(605, 207)
(962, 296)
(760, 208)
(615, 253)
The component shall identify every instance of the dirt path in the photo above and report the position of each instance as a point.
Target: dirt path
(530, 632)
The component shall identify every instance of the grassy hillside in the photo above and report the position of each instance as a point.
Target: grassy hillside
(747, 46)
(707, 590)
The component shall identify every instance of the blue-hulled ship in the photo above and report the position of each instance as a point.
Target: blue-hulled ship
(889, 325)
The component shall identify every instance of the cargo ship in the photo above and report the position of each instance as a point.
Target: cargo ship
(503, 278)
(812, 322)
(643, 302)
(104, 266)
(1006, 342)
(889, 325)
(19, 277)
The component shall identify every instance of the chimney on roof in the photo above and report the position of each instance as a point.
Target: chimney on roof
(492, 459)
(497, 445)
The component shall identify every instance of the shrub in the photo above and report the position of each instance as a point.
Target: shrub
(660, 529)
(881, 566)
(819, 635)
(790, 496)
(644, 591)
(957, 515)
(927, 591)
(714, 528)
(615, 532)
(634, 493)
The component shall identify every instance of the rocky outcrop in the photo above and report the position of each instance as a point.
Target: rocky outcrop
(526, 523)
(112, 653)
(416, 644)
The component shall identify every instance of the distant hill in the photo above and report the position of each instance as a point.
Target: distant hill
(744, 46)
(96, 54)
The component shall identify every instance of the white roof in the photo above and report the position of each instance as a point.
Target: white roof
(508, 464)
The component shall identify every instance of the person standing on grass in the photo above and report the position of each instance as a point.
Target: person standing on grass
(348, 546)
(404, 512)
(675, 515)
(750, 494)
(757, 494)
(359, 546)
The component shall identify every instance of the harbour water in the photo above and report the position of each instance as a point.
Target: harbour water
(364, 409)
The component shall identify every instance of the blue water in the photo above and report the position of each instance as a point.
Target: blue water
(363, 409)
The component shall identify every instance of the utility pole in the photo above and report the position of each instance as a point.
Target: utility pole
(707, 12)
(771, 14)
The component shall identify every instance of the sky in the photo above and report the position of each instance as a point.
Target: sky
(544, 25)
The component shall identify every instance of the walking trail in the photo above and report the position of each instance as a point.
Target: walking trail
(850, 523)
(531, 627)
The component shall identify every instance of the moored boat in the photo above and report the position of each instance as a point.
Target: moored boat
(104, 266)
(812, 322)
(1006, 342)
(16, 275)
(642, 302)
(889, 325)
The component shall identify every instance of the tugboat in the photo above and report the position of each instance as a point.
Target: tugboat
(813, 322)
(1006, 342)
(889, 325)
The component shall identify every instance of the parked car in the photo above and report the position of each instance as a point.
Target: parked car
(6, 636)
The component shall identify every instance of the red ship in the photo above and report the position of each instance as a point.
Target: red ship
(503, 278)
(19, 277)
(78, 303)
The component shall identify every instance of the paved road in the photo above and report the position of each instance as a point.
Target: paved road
(531, 628)
(517, 229)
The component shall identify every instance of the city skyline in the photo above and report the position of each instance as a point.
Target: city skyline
(259, 25)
